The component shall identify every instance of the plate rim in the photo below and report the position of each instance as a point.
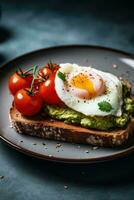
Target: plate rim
(67, 160)
(59, 159)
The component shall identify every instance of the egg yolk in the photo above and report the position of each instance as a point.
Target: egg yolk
(83, 82)
(87, 86)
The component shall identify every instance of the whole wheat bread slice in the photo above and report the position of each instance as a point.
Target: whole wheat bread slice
(57, 130)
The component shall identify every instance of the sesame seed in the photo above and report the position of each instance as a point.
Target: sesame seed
(120, 78)
(94, 148)
(115, 66)
(65, 186)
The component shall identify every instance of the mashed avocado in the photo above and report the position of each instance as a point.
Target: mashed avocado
(96, 122)
(109, 122)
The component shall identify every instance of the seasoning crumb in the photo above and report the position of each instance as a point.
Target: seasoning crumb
(34, 144)
(65, 186)
(2, 177)
(44, 143)
(94, 148)
(21, 141)
(115, 66)
(58, 145)
(86, 151)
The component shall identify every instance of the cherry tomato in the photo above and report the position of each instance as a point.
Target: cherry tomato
(56, 68)
(28, 104)
(17, 82)
(47, 91)
(37, 83)
(45, 72)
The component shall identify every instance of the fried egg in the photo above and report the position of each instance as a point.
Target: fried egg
(85, 87)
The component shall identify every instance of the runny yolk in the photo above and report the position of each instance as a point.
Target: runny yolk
(82, 81)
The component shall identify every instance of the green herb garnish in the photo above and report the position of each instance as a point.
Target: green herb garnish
(61, 76)
(105, 106)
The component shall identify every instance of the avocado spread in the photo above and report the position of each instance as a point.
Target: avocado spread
(109, 122)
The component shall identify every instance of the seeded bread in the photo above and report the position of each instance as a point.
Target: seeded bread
(57, 130)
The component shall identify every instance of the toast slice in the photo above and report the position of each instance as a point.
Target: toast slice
(57, 130)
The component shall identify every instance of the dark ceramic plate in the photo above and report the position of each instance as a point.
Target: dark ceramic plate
(99, 57)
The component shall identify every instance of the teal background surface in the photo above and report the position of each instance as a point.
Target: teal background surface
(30, 25)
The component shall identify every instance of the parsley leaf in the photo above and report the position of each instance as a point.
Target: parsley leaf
(105, 106)
(61, 76)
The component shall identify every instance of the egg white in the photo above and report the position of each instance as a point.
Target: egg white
(90, 107)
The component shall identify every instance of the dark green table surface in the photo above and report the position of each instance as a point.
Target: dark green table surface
(30, 25)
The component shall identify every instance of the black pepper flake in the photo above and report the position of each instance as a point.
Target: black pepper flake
(21, 141)
(43, 143)
(58, 145)
(2, 177)
(34, 144)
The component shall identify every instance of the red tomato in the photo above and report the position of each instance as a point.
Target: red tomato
(37, 83)
(47, 91)
(45, 72)
(53, 67)
(56, 68)
(27, 104)
(17, 82)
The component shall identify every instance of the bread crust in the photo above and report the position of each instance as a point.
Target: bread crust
(57, 130)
